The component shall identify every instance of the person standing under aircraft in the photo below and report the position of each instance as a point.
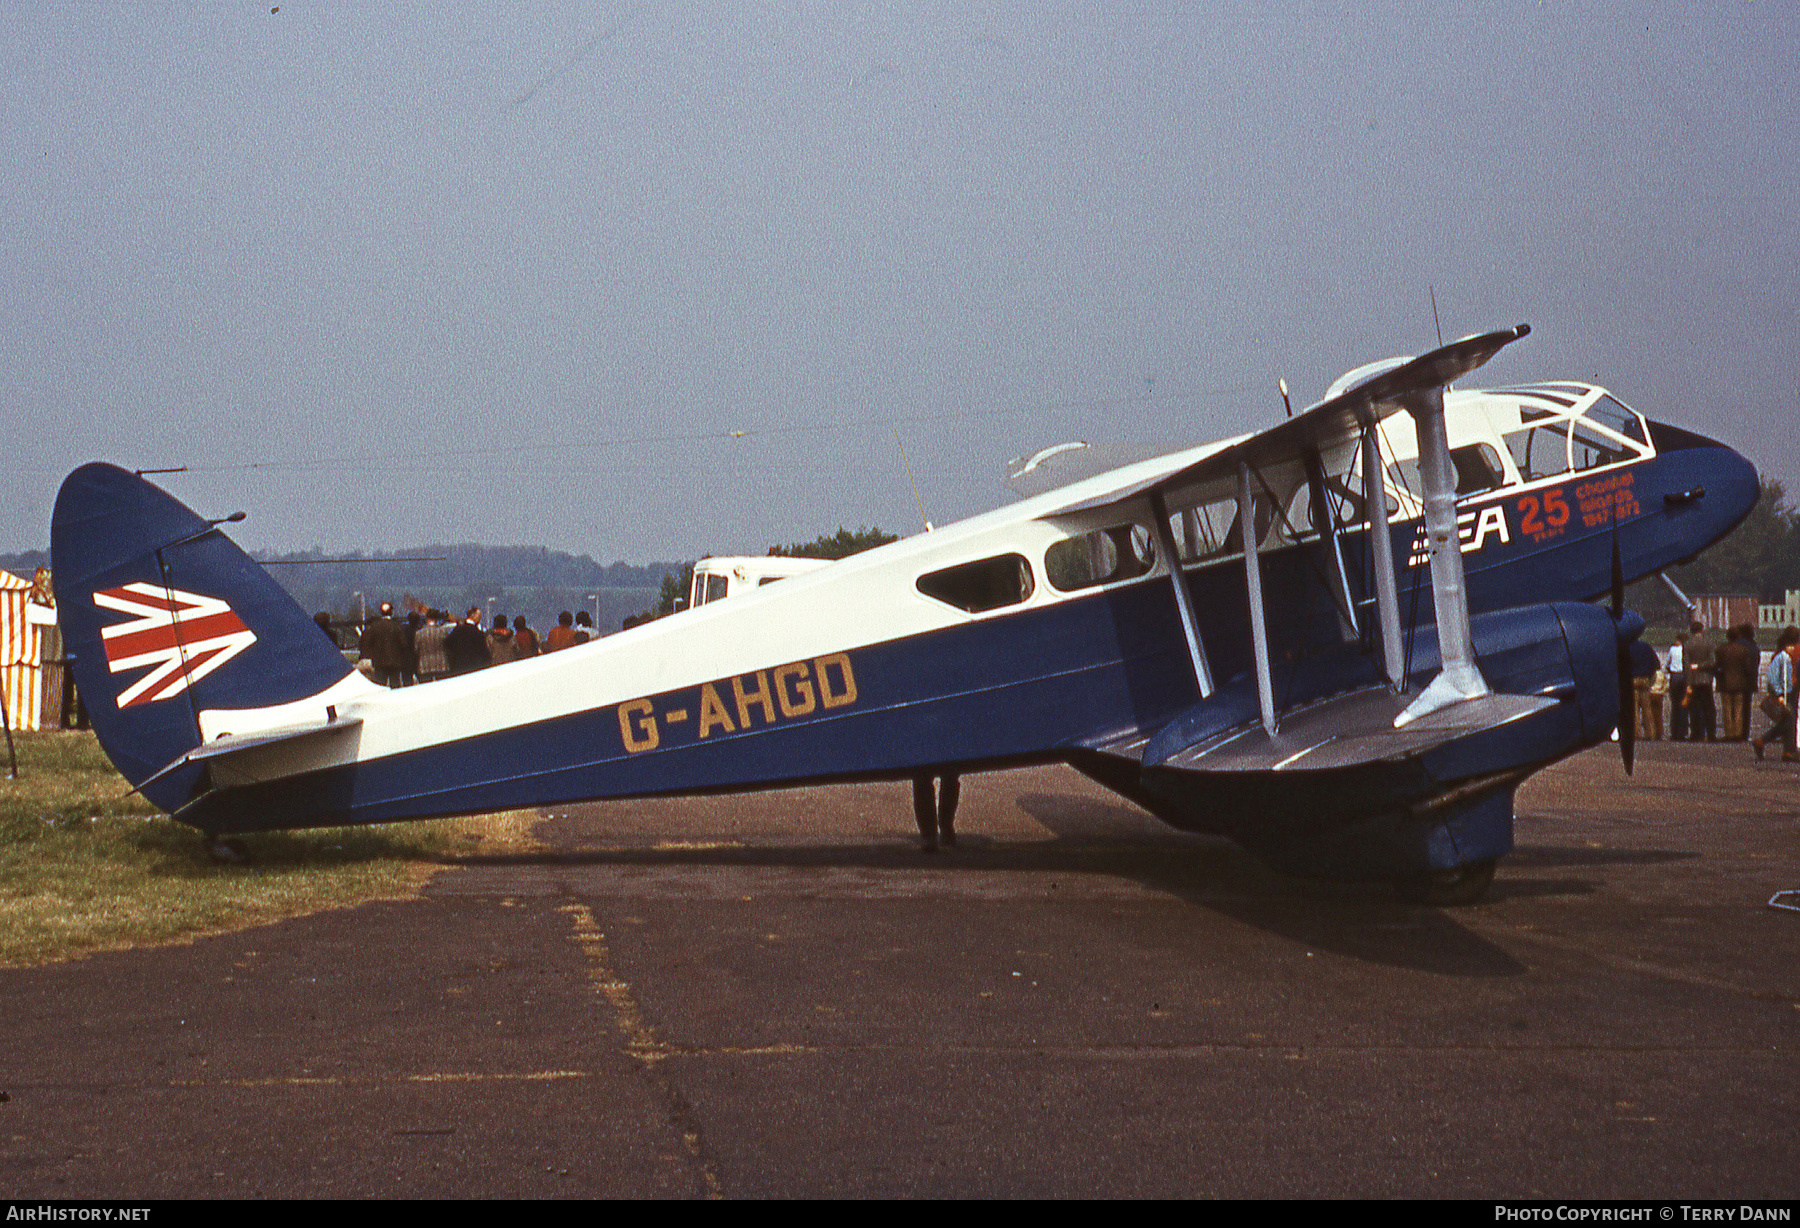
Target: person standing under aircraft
(584, 627)
(525, 640)
(936, 815)
(466, 648)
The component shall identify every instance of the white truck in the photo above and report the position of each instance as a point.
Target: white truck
(732, 576)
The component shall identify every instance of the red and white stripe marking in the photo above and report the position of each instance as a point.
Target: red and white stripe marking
(185, 636)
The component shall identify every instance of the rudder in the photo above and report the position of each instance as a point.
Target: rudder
(163, 616)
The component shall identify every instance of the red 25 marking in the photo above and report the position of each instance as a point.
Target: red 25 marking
(1554, 516)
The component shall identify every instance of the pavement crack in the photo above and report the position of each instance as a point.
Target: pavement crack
(640, 1040)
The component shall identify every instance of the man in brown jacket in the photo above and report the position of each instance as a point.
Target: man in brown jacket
(1702, 720)
(383, 646)
(1737, 659)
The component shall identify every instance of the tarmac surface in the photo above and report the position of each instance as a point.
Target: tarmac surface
(779, 995)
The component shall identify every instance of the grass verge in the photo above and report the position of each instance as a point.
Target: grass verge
(84, 868)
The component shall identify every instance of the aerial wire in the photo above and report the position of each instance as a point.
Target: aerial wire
(698, 436)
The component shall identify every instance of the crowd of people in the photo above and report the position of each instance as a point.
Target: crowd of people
(1712, 689)
(426, 645)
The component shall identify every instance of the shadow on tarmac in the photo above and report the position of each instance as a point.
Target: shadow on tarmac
(1361, 921)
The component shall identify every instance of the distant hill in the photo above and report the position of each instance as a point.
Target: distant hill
(528, 580)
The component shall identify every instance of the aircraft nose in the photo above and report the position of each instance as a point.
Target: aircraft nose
(1707, 488)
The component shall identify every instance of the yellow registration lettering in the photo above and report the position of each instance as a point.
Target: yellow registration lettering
(794, 689)
(757, 698)
(712, 712)
(836, 698)
(637, 725)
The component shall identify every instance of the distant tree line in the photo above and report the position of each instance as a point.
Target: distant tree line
(529, 580)
(839, 545)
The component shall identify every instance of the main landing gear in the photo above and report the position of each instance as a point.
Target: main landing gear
(935, 810)
(1449, 888)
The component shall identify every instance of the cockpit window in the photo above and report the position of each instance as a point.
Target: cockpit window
(1589, 449)
(1104, 556)
(987, 584)
(1540, 451)
(1615, 417)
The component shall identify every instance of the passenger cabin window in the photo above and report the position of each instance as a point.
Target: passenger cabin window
(987, 584)
(1477, 466)
(1104, 556)
(716, 588)
(1212, 530)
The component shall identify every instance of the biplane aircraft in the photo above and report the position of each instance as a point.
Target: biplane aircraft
(1342, 641)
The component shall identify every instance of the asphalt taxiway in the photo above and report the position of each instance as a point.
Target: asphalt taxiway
(778, 995)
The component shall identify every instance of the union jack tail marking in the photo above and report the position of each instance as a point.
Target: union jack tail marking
(184, 635)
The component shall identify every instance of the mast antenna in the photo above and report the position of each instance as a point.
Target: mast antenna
(911, 479)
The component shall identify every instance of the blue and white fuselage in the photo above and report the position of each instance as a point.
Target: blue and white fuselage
(1045, 631)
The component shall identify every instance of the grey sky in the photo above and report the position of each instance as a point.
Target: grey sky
(517, 272)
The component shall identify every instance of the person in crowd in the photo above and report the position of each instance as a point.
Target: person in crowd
(323, 618)
(562, 635)
(383, 646)
(525, 640)
(501, 649)
(409, 636)
(1644, 668)
(429, 645)
(1701, 661)
(1737, 659)
(1676, 668)
(1784, 693)
(466, 648)
(584, 627)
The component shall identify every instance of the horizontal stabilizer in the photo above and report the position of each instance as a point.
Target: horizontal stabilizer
(230, 744)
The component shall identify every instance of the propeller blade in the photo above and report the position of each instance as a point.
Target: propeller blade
(1627, 693)
(1618, 569)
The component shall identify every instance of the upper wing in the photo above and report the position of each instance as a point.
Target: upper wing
(1331, 424)
(1067, 463)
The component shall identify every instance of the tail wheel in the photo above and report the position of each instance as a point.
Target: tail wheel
(1450, 888)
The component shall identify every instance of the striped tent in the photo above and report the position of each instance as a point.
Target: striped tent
(21, 651)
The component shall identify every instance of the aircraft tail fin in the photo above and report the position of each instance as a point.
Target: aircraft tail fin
(163, 616)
